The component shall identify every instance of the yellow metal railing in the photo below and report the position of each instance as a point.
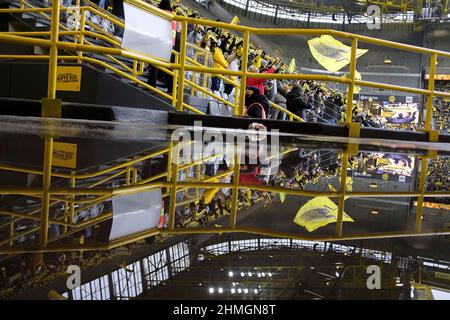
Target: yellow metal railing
(73, 195)
(80, 38)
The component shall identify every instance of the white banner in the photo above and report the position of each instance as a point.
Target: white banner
(147, 33)
(135, 212)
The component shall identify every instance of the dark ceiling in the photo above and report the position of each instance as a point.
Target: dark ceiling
(276, 274)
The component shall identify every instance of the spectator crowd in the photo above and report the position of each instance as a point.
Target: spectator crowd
(307, 99)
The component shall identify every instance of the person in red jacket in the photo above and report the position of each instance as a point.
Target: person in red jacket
(259, 83)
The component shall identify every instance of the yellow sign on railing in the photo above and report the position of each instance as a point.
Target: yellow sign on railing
(65, 155)
(68, 78)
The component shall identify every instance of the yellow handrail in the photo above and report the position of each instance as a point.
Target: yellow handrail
(283, 110)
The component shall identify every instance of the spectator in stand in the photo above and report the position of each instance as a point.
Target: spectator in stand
(233, 64)
(257, 104)
(296, 102)
(333, 103)
(224, 42)
(218, 62)
(257, 82)
(278, 99)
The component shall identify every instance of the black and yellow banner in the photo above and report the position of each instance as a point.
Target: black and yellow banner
(68, 78)
(235, 20)
(332, 54)
(65, 155)
(317, 213)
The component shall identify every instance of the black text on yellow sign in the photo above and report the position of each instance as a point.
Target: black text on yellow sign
(68, 78)
(65, 155)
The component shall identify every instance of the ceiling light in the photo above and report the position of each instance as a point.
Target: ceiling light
(239, 290)
(387, 61)
(249, 274)
(259, 274)
(211, 290)
(255, 291)
(245, 290)
(230, 273)
(220, 290)
(233, 291)
(242, 274)
(199, 284)
(263, 274)
(337, 274)
(374, 212)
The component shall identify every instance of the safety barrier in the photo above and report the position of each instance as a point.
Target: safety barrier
(51, 195)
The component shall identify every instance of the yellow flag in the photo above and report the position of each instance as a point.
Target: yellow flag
(209, 194)
(291, 68)
(257, 61)
(235, 20)
(349, 184)
(317, 213)
(332, 54)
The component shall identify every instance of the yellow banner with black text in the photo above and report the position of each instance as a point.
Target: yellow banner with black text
(65, 155)
(68, 78)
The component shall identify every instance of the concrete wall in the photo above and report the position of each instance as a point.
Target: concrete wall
(28, 80)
